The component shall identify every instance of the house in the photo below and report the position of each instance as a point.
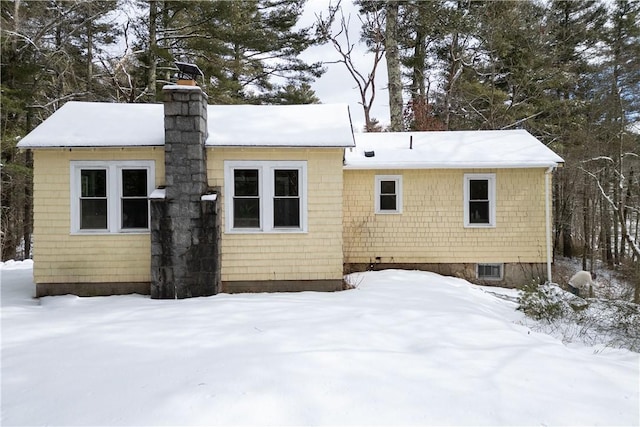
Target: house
(474, 204)
(187, 199)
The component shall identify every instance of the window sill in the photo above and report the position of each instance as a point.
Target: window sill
(275, 231)
(108, 233)
(479, 226)
(388, 212)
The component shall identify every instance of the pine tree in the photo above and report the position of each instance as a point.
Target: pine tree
(244, 48)
(48, 57)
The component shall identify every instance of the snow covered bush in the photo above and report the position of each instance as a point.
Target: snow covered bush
(614, 323)
(543, 302)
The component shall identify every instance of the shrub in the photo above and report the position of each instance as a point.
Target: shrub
(543, 302)
(592, 321)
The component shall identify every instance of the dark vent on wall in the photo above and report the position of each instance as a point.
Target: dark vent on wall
(369, 153)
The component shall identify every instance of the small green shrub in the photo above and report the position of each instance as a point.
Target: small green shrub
(543, 302)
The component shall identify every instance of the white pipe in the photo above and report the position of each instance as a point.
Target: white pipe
(547, 208)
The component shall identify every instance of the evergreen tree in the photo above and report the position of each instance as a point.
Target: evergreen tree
(244, 48)
(48, 57)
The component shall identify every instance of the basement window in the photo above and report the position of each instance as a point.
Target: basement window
(111, 196)
(264, 196)
(489, 271)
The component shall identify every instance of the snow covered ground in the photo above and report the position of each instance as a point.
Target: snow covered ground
(402, 348)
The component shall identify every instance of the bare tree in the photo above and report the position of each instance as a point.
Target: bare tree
(615, 194)
(373, 23)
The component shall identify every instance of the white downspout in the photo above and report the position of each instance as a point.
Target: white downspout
(547, 207)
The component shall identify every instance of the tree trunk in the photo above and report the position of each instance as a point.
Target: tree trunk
(369, 126)
(557, 203)
(153, 49)
(28, 207)
(452, 76)
(89, 57)
(393, 66)
(585, 221)
(567, 244)
(607, 254)
(616, 225)
(417, 88)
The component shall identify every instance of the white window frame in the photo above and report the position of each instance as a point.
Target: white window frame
(114, 193)
(266, 170)
(492, 264)
(491, 178)
(378, 190)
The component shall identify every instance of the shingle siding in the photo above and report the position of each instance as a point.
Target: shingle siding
(314, 255)
(62, 257)
(431, 227)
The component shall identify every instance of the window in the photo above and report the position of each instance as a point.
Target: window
(93, 199)
(246, 198)
(286, 200)
(489, 271)
(265, 196)
(479, 200)
(110, 197)
(388, 194)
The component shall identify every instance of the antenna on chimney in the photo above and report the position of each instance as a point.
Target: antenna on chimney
(410, 142)
(188, 73)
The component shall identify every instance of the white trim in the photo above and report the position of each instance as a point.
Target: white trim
(266, 171)
(378, 192)
(444, 165)
(114, 192)
(490, 264)
(547, 220)
(491, 178)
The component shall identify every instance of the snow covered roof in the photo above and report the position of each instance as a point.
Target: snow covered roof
(100, 124)
(449, 149)
(313, 125)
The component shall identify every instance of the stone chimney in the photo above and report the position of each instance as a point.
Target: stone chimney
(184, 224)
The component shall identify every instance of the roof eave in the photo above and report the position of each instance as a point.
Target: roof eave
(56, 147)
(277, 146)
(399, 165)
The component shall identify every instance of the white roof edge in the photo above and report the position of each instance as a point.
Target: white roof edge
(87, 147)
(214, 145)
(452, 165)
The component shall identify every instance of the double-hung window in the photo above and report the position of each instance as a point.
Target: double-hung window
(264, 196)
(479, 200)
(388, 194)
(111, 196)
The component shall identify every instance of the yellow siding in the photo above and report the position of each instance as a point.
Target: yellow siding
(59, 256)
(314, 255)
(431, 227)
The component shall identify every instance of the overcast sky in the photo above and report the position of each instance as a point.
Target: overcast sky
(337, 85)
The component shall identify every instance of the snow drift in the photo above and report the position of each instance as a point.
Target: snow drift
(402, 348)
